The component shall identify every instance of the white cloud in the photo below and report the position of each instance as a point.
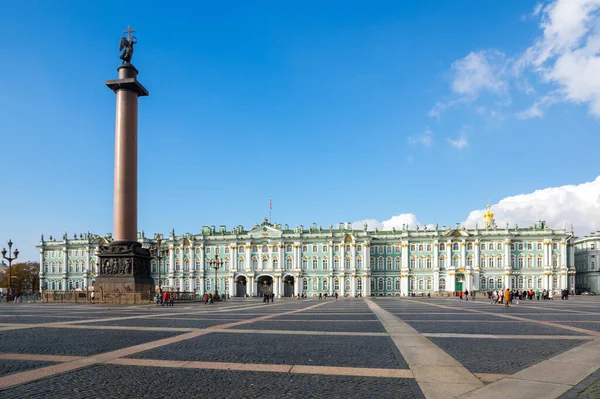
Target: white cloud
(567, 54)
(425, 138)
(460, 143)
(477, 72)
(571, 204)
(537, 109)
(395, 221)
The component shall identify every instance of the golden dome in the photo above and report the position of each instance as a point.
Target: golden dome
(488, 215)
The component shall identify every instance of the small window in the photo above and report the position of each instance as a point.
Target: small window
(469, 246)
(304, 248)
(455, 246)
(529, 246)
(359, 248)
(442, 247)
(420, 247)
(336, 248)
(499, 246)
(520, 247)
(315, 248)
(539, 246)
(348, 248)
(288, 248)
(325, 248)
(428, 247)
(412, 247)
(482, 246)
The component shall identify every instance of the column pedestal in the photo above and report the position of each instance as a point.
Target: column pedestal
(124, 267)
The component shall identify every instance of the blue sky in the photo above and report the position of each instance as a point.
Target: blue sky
(342, 111)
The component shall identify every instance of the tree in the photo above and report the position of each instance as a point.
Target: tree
(25, 277)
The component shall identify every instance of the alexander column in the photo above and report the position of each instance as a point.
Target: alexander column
(124, 264)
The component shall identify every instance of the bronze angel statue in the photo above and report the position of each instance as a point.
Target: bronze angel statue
(126, 46)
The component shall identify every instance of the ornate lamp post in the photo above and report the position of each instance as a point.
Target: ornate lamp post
(216, 264)
(158, 253)
(10, 258)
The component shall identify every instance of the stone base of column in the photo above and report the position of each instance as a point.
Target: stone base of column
(124, 268)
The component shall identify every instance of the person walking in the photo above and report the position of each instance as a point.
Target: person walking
(92, 298)
(506, 298)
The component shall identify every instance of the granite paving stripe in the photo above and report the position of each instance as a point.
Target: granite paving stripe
(160, 323)
(11, 366)
(323, 326)
(489, 328)
(42, 358)
(148, 382)
(588, 326)
(509, 336)
(319, 350)
(508, 316)
(32, 375)
(549, 378)
(437, 373)
(486, 377)
(501, 355)
(312, 333)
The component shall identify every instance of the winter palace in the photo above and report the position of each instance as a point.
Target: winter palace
(288, 262)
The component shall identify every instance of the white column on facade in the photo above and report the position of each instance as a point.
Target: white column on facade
(233, 255)
(353, 285)
(436, 267)
(65, 271)
(365, 257)
(404, 271)
(451, 277)
(248, 260)
(342, 256)
(342, 285)
(330, 286)
(281, 262)
(171, 266)
(231, 286)
(192, 259)
(463, 265)
(563, 265)
(202, 284)
(366, 288)
(42, 271)
(296, 256)
(250, 285)
(353, 256)
(476, 268)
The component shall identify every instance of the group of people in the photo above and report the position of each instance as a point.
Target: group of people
(508, 296)
(465, 294)
(163, 299)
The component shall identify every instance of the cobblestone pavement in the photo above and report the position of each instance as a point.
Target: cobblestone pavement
(350, 348)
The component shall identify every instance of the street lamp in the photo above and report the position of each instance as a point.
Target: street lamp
(158, 253)
(10, 258)
(216, 264)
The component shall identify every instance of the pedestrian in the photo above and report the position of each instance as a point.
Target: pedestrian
(336, 296)
(92, 298)
(506, 297)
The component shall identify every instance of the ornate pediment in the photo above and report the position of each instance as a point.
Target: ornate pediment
(457, 233)
(266, 230)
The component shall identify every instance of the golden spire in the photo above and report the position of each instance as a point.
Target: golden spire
(488, 215)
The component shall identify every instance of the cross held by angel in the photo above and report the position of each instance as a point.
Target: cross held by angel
(126, 46)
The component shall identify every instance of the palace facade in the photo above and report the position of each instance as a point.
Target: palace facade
(343, 260)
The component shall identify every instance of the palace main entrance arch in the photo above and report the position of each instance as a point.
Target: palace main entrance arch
(241, 284)
(288, 286)
(264, 285)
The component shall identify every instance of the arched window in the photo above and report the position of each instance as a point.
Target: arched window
(469, 246)
(304, 284)
(420, 264)
(348, 249)
(288, 263)
(499, 282)
(347, 262)
(380, 284)
(380, 263)
(336, 263)
(540, 261)
(456, 261)
(455, 246)
(358, 285)
(254, 264)
(539, 283)
(347, 285)
(491, 284)
(336, 284)
(359, 262)
(470, 261)
(315, 264)
(428, 262)
(325, 263)
(241, 264)
(325, 284)
(482, 262)
(265, 249)
(372, 262)
(442, 262)
(530, 261)
(428, 284)
(442, 284)
(388, 284)
(499, 261)
(442, 247)
(555, 261)
(265, 263)
(412, 262)
(359, 248)
(304, 263)
(315, 284)
(520, 282)
(208, 285)
(275, 264)
(288, 248)
(420, 284)
(315, 248)
(325, 248)
(397, 284)
(529, 282)
(397, 264)
(388, 264)
(520, 262)
(491, 262)
(482, 283)
(412, 283)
